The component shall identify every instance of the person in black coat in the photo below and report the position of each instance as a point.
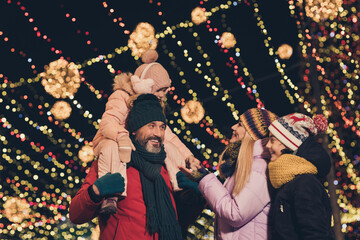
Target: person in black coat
(301, 207)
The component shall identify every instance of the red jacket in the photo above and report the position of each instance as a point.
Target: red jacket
(130, 220)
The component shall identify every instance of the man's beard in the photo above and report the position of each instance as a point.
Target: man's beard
(148, 146)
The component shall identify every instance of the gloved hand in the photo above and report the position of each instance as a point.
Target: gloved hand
(184, 182)
(125, 147)
(195, 175)
(110, 184)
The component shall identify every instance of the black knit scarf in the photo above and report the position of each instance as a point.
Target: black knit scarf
(230, 156)
(160, 212)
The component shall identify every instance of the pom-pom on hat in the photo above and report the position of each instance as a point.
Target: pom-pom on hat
(256, 122)
(150, 76)
(293, 129)
(145, 109)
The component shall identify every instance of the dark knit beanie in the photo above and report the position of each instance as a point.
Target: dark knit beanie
(256, 122)
(146, 108)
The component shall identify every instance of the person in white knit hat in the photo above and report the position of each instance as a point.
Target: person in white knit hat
(301, 207)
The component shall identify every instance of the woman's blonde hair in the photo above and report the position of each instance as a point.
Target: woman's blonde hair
(244, 163)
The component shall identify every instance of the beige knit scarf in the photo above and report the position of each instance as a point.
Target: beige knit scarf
(286, 167)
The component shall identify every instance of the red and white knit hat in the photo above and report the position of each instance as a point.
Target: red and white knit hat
(293, 129)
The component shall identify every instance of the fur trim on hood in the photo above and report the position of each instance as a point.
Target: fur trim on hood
(122, 82)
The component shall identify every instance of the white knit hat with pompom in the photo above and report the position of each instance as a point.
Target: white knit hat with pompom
(293, 129)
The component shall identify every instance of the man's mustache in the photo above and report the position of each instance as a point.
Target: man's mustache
(154, 138)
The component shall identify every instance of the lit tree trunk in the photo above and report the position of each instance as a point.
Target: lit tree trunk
(331, 176)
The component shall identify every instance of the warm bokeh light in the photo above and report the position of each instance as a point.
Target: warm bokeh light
(16, 209)
(321, 10)
(198, 15)
(192, 112)
(142, 39)
(228, 40)
(86, 153)
(285, 51)
(61, 110)
(61, 79)
(95, 235)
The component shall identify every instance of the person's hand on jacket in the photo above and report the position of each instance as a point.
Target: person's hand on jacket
(107, 185)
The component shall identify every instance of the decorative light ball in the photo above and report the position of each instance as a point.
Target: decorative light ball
(320, 10)
(61, 110)
(228, 40)
(142, 39)
(61, 79)
(95, 235)
(86, 153)
(192, 112)
(198, 15)
(16, 209)
(285, 51)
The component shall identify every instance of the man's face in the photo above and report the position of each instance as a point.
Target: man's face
(151, 136)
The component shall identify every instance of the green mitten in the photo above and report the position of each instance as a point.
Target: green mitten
(110, 184)
(186, 183)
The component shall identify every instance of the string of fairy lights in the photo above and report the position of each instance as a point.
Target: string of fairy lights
(202, 66)
(196, 141)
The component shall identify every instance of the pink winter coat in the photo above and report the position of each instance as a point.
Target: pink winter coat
(244, 216)
(112, 126)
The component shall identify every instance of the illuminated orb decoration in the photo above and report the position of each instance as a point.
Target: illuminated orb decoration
(16, 209)
(285, 51)
(95, 235)
(228, 40)
(86, 153)
(61, 79)
(61, 110)
(192, 112)
(320, 10)
(198, 15)
(142, 39)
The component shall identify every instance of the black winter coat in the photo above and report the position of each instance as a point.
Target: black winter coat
(301, 208)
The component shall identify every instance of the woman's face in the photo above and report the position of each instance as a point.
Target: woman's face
(238, 132)
(275, 147)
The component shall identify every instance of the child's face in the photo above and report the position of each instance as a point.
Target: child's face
(275, 147)
(238, 132)
(161, 93)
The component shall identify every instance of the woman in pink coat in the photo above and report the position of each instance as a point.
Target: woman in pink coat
(112, 144)
(242, 203)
